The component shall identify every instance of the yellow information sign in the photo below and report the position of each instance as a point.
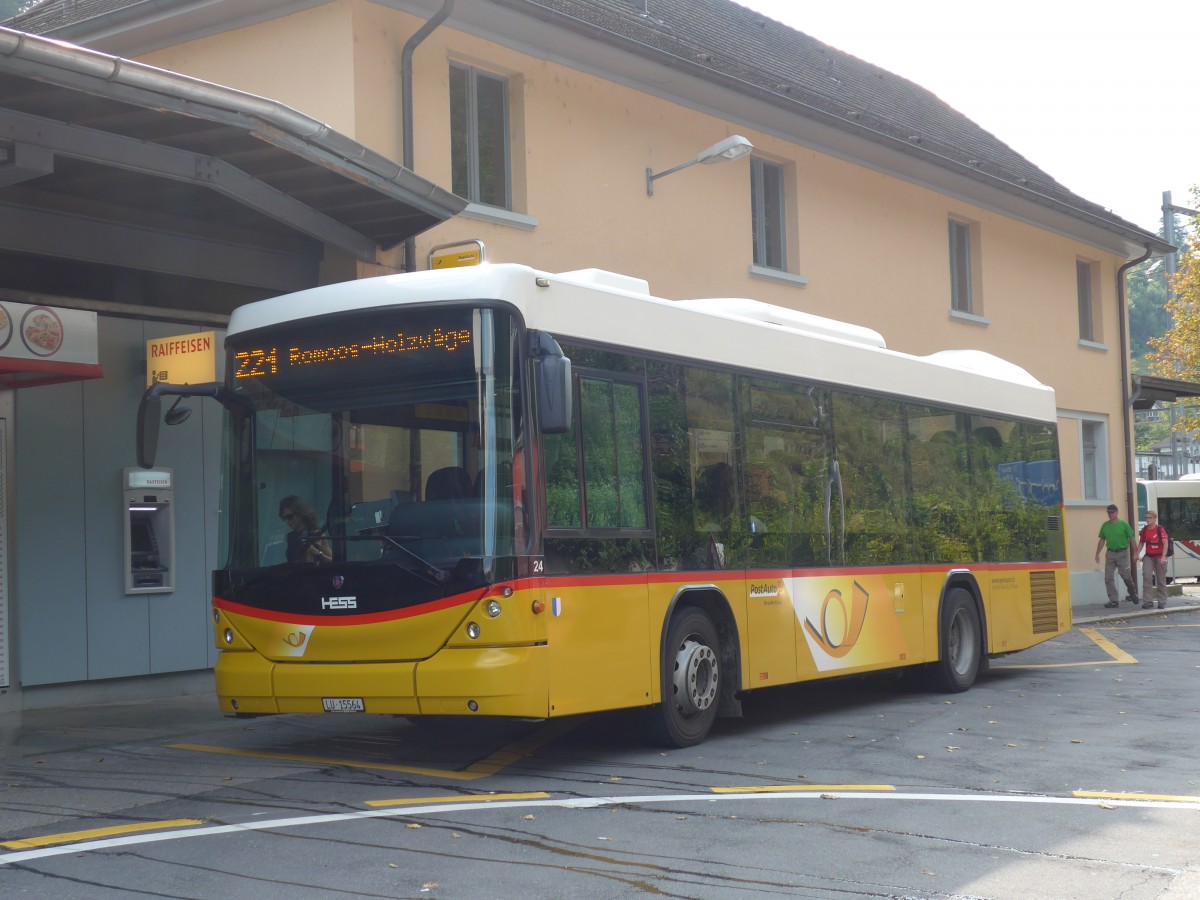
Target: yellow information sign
(182, 359)
(454, 260)
(463, 253)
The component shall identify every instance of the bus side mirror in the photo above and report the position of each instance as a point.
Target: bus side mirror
(554, 394)
(150, 413)
(552, 372)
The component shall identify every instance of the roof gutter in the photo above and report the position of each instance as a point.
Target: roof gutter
(406, 106)
(1126, 395)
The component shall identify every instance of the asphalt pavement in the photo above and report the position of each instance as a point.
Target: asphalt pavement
(33, 743)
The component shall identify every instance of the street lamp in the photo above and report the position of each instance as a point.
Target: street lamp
(733, 147)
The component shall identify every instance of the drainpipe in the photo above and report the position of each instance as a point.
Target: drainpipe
(406, 107)
(1126, 397)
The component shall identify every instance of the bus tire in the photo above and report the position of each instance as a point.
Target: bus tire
(691, 685)
(960, 644)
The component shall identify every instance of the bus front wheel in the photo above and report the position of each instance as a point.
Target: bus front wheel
(691, 687)
(959, 644)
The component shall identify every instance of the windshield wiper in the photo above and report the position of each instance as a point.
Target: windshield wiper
(427, 569)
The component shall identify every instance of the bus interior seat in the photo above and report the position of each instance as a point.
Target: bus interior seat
(446, 524)
(449, 483)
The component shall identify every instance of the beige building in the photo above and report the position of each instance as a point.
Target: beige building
(864, 198)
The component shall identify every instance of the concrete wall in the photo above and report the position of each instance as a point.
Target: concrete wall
(73, 620)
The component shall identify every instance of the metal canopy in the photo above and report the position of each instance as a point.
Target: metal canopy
(104, 160)
(1149, 389)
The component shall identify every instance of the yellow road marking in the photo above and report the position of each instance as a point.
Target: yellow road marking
(1119, 656)
(460, 798)
(1107, 646)
(1108, 795)
(793, 788)
(68, 837)
(322, 761)
(490, 765)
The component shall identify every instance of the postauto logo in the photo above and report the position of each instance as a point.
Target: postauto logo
(834, 644)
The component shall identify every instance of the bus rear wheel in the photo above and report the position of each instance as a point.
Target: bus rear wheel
(691, 688)
(960, 644)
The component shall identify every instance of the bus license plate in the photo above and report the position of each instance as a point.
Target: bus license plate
(343, 704)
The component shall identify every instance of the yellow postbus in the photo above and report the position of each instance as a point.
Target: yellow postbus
(495, 491)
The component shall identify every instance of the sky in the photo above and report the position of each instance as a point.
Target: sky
(1092, 92)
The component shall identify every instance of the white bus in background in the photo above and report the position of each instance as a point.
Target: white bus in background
(1178, 506)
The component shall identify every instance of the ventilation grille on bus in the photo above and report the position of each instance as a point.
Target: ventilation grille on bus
(1054, 523)
(1043, 597)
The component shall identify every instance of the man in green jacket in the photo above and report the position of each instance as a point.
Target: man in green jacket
(1116, 539)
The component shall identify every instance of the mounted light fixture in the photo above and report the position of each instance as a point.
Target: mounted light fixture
(733, 147)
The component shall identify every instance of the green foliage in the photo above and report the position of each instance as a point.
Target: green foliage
(1152, 434)
(10, 8)
(1177, 353)
(1146, 289)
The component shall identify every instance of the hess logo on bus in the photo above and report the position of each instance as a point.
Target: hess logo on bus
(339, 603)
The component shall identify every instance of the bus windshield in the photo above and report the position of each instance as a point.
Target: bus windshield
(376, 437)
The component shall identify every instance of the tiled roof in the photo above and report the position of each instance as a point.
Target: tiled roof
(49, 15)
(767, 60)
(772, 60)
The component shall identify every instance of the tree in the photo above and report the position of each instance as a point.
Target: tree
(10, 8)
(1148, 317)
(1177, 353)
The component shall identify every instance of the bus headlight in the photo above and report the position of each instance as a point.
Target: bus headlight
(473, 631)
(228, 635)
(493, 608)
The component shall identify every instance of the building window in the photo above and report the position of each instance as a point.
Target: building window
(767, 212)
(1093, 462)
(479, 137)
(1085, 273)
(963, 264)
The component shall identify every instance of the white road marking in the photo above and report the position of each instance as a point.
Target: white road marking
(580, 803)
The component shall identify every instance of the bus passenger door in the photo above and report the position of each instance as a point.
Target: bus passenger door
(596, 637)
(598, 545)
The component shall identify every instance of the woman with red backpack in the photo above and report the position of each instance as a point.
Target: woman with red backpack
(1154, 540)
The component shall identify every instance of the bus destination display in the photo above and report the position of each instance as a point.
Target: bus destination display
(260, 362)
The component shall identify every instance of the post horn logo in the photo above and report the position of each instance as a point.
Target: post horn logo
(294, 638)
(835, 645)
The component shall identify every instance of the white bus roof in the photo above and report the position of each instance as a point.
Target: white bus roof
(608, 308)
(1182, 487)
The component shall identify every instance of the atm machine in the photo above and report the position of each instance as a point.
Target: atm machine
(149, 511)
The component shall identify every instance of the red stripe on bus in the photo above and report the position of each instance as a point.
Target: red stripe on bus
(727, 575)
